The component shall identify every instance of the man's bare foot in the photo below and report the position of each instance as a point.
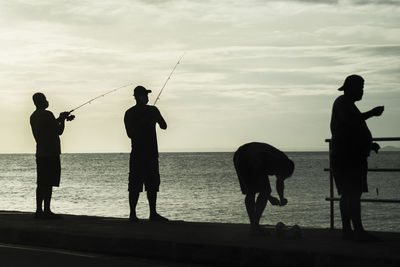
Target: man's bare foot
(347, 234)
(157, 218)
(280, 229)
(295, 232)
(133, 218)
(51, 215)
(256, 230)
(38, 214)
(364, 236)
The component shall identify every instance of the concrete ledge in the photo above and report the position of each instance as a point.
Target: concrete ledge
(206, 243)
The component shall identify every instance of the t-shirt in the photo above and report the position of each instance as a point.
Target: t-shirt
(351, 137)
(140, 124)
(262, 157)
(45, 129)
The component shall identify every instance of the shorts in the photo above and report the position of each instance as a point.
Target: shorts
(251, 180)
(143, 171)
(350, 175)
(48, 171)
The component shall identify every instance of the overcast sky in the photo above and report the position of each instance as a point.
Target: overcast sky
(254, 70)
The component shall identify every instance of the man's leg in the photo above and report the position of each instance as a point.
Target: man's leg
(39, 187)
(345, 216)
(254, 211)
(355, 211)
(152, 198)
(135, 185)
(133, 200)
(39, 200)
(355, 214)
(45, 192)
(152, 185)
(251, 208)
(48, 190)
(261, 203)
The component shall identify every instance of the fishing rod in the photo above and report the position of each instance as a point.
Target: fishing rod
(169, 77)
(126, 85)
(106, 93)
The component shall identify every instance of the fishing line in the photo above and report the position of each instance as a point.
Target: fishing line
(166, 81)
(126, 85)
(102, 95)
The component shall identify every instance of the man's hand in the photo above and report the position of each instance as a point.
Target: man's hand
(64, 115)
(377, 111)
(283, 202)
(375, 147)
(274, 201)
(70, 117)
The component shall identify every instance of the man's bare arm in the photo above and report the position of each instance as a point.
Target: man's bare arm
(375, 112)
(280, 188)
(161, 121)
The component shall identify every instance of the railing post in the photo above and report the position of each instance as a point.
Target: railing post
(331, 185)
(331, 192)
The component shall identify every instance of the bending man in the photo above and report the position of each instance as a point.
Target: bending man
(253, 163)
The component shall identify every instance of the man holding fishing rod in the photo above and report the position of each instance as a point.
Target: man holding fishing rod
(46, 130)
(140, 124)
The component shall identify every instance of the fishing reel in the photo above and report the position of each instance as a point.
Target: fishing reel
(67, 116)
(70, 117)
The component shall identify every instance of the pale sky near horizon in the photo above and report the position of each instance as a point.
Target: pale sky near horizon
(256, 70)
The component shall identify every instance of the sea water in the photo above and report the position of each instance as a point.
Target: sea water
(199, 187)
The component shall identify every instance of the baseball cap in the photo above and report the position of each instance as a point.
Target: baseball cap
(140, 90)
(350, 81)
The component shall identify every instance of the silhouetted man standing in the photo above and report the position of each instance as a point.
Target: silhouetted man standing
(253, 163)
(46, 130)
(140, 124)
(351, 145)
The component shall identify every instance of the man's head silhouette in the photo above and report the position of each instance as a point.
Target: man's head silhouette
(141, 94)
(353, 86)
(40, 101)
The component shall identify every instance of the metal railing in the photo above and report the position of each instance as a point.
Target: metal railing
(332, 197)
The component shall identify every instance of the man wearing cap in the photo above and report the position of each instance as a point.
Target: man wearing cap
(46, 130)
(350, 147)
(140, 124)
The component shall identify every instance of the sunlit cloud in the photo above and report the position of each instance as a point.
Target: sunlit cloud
(264, 63)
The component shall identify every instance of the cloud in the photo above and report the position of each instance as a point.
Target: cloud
(373, 2)
(344, 2)
(267, 68)
(165, 3)
(245, 60)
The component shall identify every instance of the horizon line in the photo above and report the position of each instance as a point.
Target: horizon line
(160, 152)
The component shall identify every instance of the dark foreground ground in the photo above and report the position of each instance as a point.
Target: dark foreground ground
(12, 255)
(118, 242)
